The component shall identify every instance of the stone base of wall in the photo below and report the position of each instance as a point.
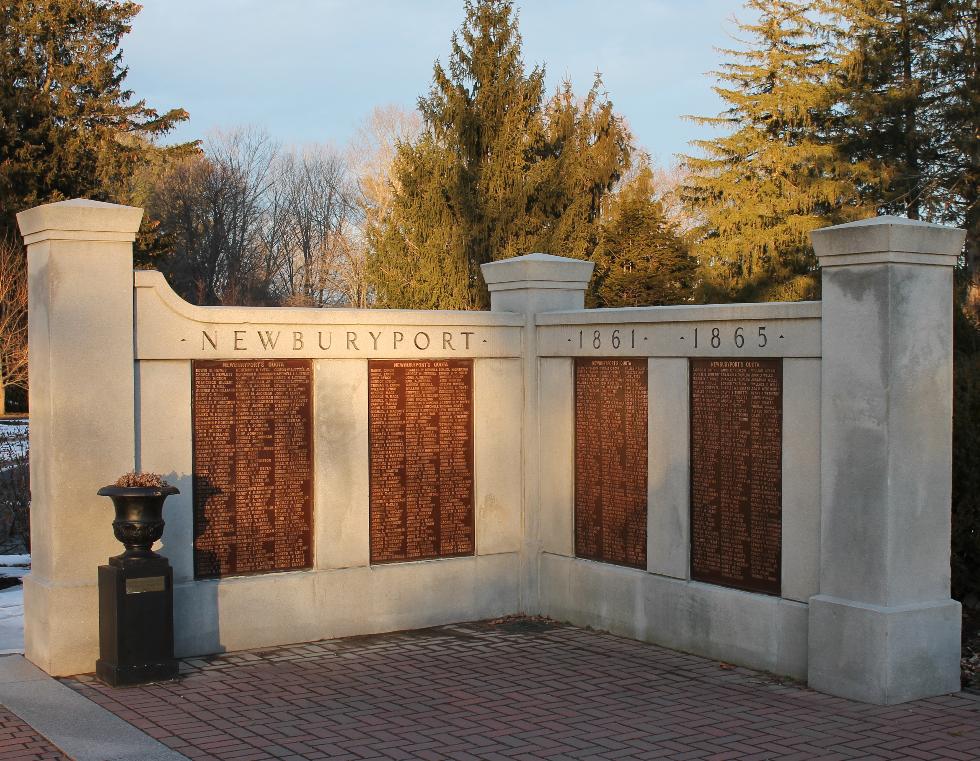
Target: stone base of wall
(684, 615)
(280, 608)
(884, 655)
(61, 626)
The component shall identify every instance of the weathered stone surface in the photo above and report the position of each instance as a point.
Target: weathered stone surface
(80, 271)
(886, 424)
(884, 654)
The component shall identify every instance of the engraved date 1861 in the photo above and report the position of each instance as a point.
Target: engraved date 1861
(618, 338)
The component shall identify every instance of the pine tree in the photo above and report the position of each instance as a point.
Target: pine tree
(495, 173)
(957, 66)
(589, 149)
(888, 98)
(761, 189)
(68, 128)
(641, 258)
(464, 186)
(910, 98)
(417, 248)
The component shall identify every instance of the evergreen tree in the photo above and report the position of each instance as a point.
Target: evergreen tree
(589, 149)
(641, 259)
(910, 96)
(761, 189)
(417, 246)
(68, 128)
(464, 187)
(957, 66)
(888, 98)
(495, 173)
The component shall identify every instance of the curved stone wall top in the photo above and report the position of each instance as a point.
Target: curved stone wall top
(714, 330)
(167, 327)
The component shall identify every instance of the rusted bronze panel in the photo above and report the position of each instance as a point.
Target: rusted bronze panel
(611, 460)
(420, 434)
(253, 466)
(736, 472)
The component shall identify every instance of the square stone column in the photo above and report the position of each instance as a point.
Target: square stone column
(537, 283)
(530, 284)
(82, 433)
(883, 628)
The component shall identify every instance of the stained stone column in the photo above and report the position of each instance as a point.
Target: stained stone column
(80, 321)
(530, 284)
(883, 628)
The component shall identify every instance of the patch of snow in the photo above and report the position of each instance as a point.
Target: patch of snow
(13, 445)
(13, 441)
(12, 620)
(10, 600)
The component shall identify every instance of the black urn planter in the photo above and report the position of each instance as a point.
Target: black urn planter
(136, 597)
(139, 519)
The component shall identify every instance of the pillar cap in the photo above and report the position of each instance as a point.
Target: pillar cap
(888, 240)
(79, 219)
(537, 271)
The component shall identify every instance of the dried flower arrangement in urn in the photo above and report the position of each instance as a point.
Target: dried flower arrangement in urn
(138, 499)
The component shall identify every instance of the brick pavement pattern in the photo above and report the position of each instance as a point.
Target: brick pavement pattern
(19, 742)
(518, 689)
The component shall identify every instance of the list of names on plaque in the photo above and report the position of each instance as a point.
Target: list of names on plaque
(736, 472)
(611, 460)
(420, 415)
(253, 466)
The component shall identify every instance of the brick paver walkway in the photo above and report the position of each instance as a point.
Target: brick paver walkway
(518, 690)
(19, 742)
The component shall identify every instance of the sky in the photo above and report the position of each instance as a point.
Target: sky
(311, 71)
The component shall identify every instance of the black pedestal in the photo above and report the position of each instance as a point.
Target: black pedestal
(136, 622)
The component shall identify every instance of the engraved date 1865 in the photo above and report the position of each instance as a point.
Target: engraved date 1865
(716, 337)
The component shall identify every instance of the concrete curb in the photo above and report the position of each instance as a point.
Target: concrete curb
(78, 727)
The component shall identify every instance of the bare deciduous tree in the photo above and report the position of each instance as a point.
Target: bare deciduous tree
(372, 153)
(314, 212)
(177, 202)
(242, 171)
(246, 223)
(212, 212)
(350, 270)
(13, 319)
(374, 148)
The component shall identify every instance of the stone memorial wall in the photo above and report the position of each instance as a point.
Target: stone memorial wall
(764, 484)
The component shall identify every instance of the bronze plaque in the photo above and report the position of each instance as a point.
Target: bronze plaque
(736, 472)
(611, 460)
(253, 466)
(146, 584)
(420, 433)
